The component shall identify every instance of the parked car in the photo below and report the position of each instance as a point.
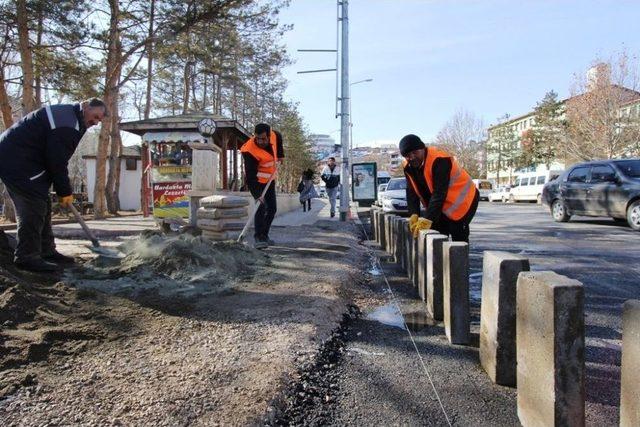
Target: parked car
(383, 177)
(528, 186)
(500, 194)
(599, 188)
(394, 198)
(321, 190)
(484, 188)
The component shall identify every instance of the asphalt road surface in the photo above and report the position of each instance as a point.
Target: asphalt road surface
(382, 380)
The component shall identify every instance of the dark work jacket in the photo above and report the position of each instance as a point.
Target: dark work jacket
(251, 166)
(435, 200)
(35, 151)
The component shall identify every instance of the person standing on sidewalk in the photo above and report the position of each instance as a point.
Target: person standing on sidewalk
(445, 189)
(331, 176)
(307, 190)
(261, 153)
(34, 154)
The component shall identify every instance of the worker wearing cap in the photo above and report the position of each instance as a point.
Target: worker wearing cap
(261, 154)
(435, 179)
(34, 154)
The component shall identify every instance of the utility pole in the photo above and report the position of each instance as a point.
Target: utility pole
(344, 109)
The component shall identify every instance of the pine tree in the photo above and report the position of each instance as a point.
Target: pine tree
(545, 140)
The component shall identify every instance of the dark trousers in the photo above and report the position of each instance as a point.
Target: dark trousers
(35, 236)
(458, 230)
(265, 214)
(305, 204)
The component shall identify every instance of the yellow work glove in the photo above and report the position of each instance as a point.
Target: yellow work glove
(422, 224)
(413, 220)
(66, 201)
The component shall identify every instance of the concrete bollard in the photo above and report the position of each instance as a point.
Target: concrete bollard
(387, 231)
(407, 246)
(392, 234)
(421, 260)
(381, 228)
(434, 275)
(397, 244)
(415, 263)
(372, 222)
(411, 254)
(393, 238)
(630, 391)
(403, 244)
(498, 315)
(550, 350)
(455, 260)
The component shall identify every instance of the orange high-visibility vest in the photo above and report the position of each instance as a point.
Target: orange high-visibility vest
(266, 160)
(461, 190)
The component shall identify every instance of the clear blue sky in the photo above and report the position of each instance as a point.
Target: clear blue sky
(429, 58)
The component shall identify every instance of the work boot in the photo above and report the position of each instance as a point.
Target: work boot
(37, 265)
(58, 258)
(260, 244)
(333, 214)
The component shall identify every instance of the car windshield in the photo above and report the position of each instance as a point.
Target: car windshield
(630, 168)
(397, 184)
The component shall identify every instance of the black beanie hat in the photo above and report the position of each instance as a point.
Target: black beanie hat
(409, 143)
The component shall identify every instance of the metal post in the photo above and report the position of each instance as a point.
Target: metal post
(344, 112)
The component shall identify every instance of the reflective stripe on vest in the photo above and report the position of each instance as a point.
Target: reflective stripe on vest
(266, 160)
(461, 191)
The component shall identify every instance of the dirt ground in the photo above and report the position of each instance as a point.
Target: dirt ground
(182, 332)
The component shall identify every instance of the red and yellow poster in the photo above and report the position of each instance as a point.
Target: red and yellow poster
(170, 199)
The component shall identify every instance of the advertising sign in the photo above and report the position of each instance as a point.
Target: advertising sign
(170, 199)
(363, 182)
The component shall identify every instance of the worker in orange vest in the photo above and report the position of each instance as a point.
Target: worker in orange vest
(261, 153)
(446, 190)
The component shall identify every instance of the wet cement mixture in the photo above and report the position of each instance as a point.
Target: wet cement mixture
(177, 268)
(181, 331)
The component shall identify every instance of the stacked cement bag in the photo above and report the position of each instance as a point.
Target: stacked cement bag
(222, 217)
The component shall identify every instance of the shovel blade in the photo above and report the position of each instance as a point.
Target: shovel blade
(109, 253)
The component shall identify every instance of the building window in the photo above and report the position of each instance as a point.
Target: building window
(131, 164)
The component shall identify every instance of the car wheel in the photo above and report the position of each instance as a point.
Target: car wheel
(633, 215)
(559, 212)
(539, 199)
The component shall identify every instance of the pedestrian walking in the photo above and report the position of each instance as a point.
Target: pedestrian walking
(307, 190)
(331, 176)
(261, 153)
(445, 189)
(34, 154)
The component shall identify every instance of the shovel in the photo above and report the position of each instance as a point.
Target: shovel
(95, 244)
(255, 209)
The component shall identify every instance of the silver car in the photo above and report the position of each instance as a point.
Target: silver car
(394, 198)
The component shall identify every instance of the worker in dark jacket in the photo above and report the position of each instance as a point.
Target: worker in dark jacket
(34, 154)
(445, 189)
(261, 154)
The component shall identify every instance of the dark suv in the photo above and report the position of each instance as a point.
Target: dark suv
(599, 188)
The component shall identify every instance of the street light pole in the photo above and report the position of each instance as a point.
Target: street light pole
(344, 110)
(351, 117)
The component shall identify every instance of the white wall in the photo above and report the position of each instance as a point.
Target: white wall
(129, 184)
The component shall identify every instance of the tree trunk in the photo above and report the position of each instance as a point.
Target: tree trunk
(5, 104)
(186, 87)
(9, 211)
(26, 57)
(110, 91)
(38, 66)
(147, 105)
(115, 163)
